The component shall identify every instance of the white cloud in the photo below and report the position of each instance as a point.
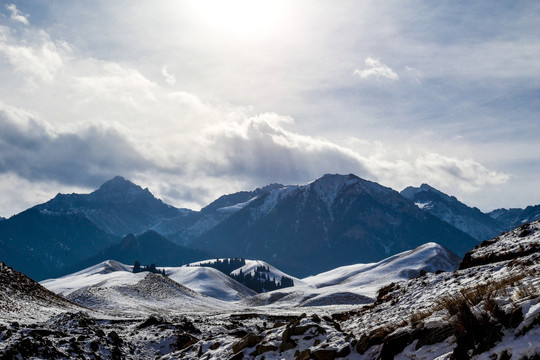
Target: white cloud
(399, 168)
(109, 81)
(374, 68)
(169, 78)
(17, 15)
(40, 60)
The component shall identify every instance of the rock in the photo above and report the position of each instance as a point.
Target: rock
(261, 349)
(286, 342)
(237, 356)
(325, 354)
(343, 352)
(302, 355)
(150, 321)
(185, 340)
(115, 339)
(341, 316)
(247, 341)
(394, 344)
(300, 330)
(94, 346)
(214, 346)
(287, 345)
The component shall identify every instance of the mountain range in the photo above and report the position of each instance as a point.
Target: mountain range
(303, 229)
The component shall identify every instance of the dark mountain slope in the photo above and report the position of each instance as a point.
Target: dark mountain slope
(511, 218)
(40, 243)
(148, 248)
(449, 209)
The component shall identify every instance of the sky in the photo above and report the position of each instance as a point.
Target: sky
(195, 99)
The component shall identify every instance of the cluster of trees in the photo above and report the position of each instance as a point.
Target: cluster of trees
(226, 266)
(137, 268)
(258, 281)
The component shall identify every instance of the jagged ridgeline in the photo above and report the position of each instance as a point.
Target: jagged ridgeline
(260, 279)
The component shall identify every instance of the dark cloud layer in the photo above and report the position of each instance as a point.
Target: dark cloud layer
(29, 150)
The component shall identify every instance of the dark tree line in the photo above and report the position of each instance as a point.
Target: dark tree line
(258, 281)
(226, 266)
(137, 268)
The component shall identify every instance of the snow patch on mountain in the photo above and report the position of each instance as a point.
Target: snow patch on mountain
(271, 200)
(236, 207)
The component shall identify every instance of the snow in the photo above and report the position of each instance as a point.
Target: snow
(359, 283)
(234, 208)
(209, 282)
(273, 273)
(425, 205)
(272, 199)
(111, 271)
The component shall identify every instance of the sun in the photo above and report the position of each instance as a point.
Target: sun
(240, 17)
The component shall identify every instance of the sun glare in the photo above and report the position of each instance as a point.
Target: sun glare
(240, 17)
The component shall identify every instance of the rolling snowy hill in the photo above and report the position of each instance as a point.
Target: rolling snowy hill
(112, 287)
(359, 283)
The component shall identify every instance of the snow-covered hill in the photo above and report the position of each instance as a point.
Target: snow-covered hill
(112, 287)
(490, 310)
(209, 282)
(273, 272)
(358, 284)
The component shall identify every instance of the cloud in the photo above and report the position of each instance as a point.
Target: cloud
(374, 68)
(17, 15)
(399, 168)
(467, 174)
(260, 148)
(40, 60)
(32, 150)
(169, 78)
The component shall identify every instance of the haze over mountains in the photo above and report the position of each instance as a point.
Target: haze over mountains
(303, 229)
